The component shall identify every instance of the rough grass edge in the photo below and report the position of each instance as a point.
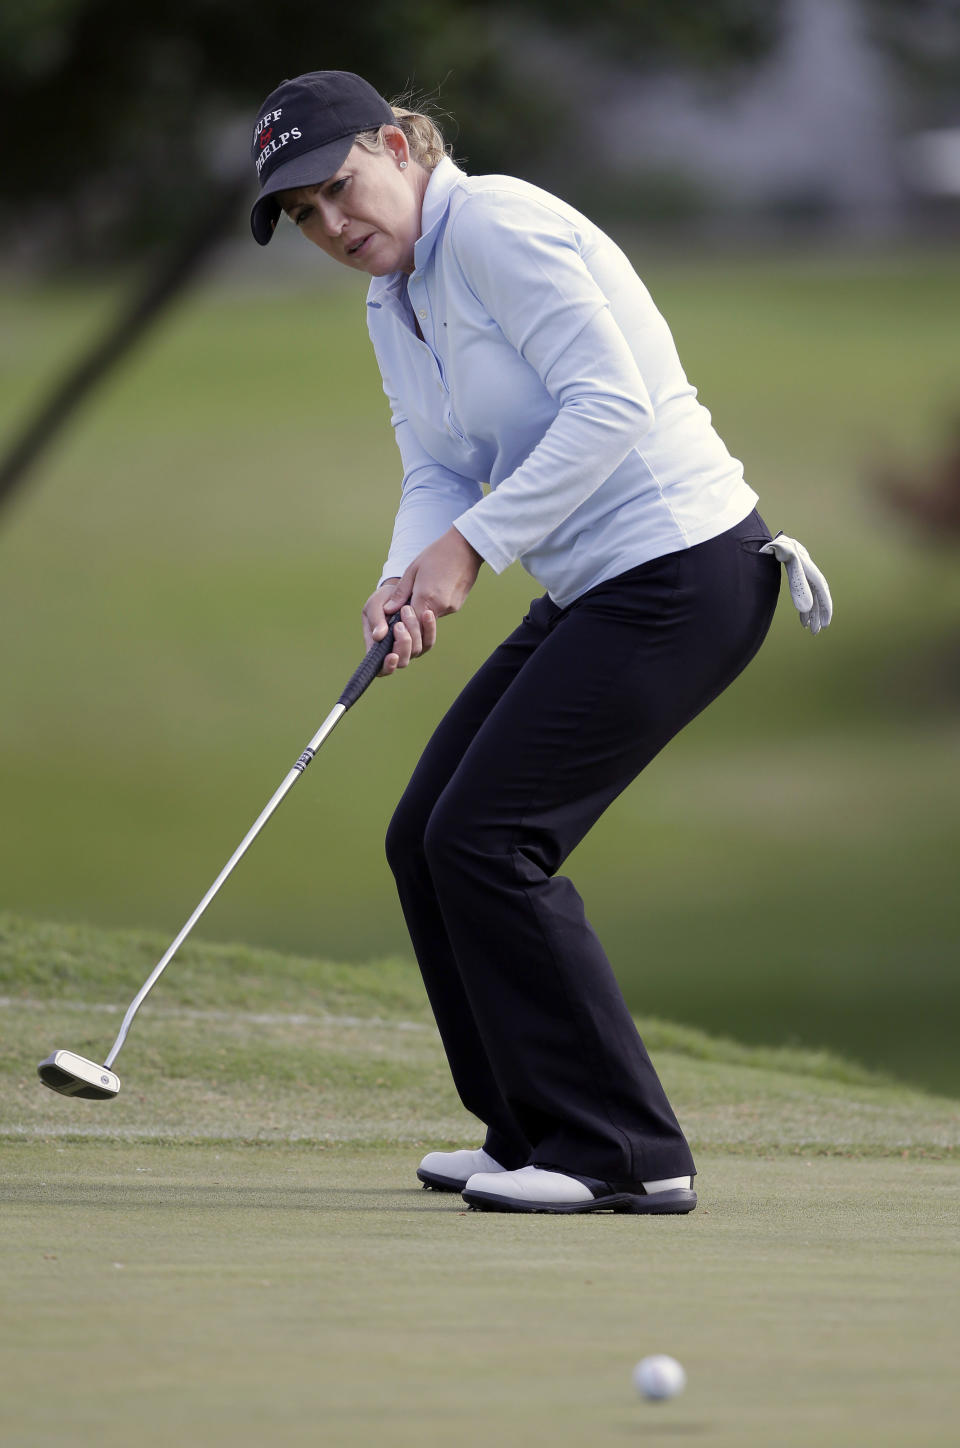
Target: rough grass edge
(386, 990)
(125, 1138)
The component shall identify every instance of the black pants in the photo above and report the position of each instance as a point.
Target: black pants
(557, 722)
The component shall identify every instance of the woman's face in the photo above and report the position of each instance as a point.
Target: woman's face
(367, 214)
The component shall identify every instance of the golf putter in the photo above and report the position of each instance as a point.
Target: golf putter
(74, 1075)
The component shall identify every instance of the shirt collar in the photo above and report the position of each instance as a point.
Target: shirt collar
(436, 200)
(435, 203)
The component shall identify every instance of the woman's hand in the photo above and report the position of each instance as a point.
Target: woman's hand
(439, 579)
(411, 636)
(374, 617)
(436, 583)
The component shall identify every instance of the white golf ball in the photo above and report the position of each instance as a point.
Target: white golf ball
(659, 1377)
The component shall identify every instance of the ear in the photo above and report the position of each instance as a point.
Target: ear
(396, 143)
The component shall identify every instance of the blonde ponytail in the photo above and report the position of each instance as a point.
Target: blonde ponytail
(427, 146)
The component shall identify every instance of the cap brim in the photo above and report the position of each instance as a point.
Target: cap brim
(310, 169)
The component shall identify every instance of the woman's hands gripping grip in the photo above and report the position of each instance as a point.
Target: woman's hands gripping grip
(436, 583)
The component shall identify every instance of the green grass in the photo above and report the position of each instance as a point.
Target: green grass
(235, 1248)
(186, 570)
(239, 1044)
(156, 1294)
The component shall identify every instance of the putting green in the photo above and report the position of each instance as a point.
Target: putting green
(224, 1295)
(236, 1248)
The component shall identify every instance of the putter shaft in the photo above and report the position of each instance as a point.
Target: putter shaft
(74, 1075)
(326, 728)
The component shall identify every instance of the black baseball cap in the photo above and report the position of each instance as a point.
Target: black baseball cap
(304, 131)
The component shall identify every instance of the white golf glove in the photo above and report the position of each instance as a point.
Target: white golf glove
(808, 587)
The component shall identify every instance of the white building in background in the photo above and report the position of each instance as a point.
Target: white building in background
(814, 125)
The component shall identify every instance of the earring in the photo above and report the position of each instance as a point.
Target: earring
(403, 165)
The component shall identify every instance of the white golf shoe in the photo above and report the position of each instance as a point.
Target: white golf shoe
(449, 1171)
(534, 1189)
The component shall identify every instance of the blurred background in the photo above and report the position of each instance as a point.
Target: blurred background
(198, 477)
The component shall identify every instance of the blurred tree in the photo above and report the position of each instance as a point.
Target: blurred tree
(127, 115)
(130, 122)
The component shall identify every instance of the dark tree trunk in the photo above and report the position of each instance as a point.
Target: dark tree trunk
(163, 287)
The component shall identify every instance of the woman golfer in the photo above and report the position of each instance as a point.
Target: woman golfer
(520, 350)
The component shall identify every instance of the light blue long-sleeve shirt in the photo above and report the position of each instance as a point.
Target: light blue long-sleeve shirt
(545, 371)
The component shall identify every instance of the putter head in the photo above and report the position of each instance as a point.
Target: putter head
(74, 1075)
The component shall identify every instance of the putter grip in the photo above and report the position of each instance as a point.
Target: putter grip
(364, 675)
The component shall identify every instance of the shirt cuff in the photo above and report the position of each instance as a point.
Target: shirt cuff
(470, 527)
